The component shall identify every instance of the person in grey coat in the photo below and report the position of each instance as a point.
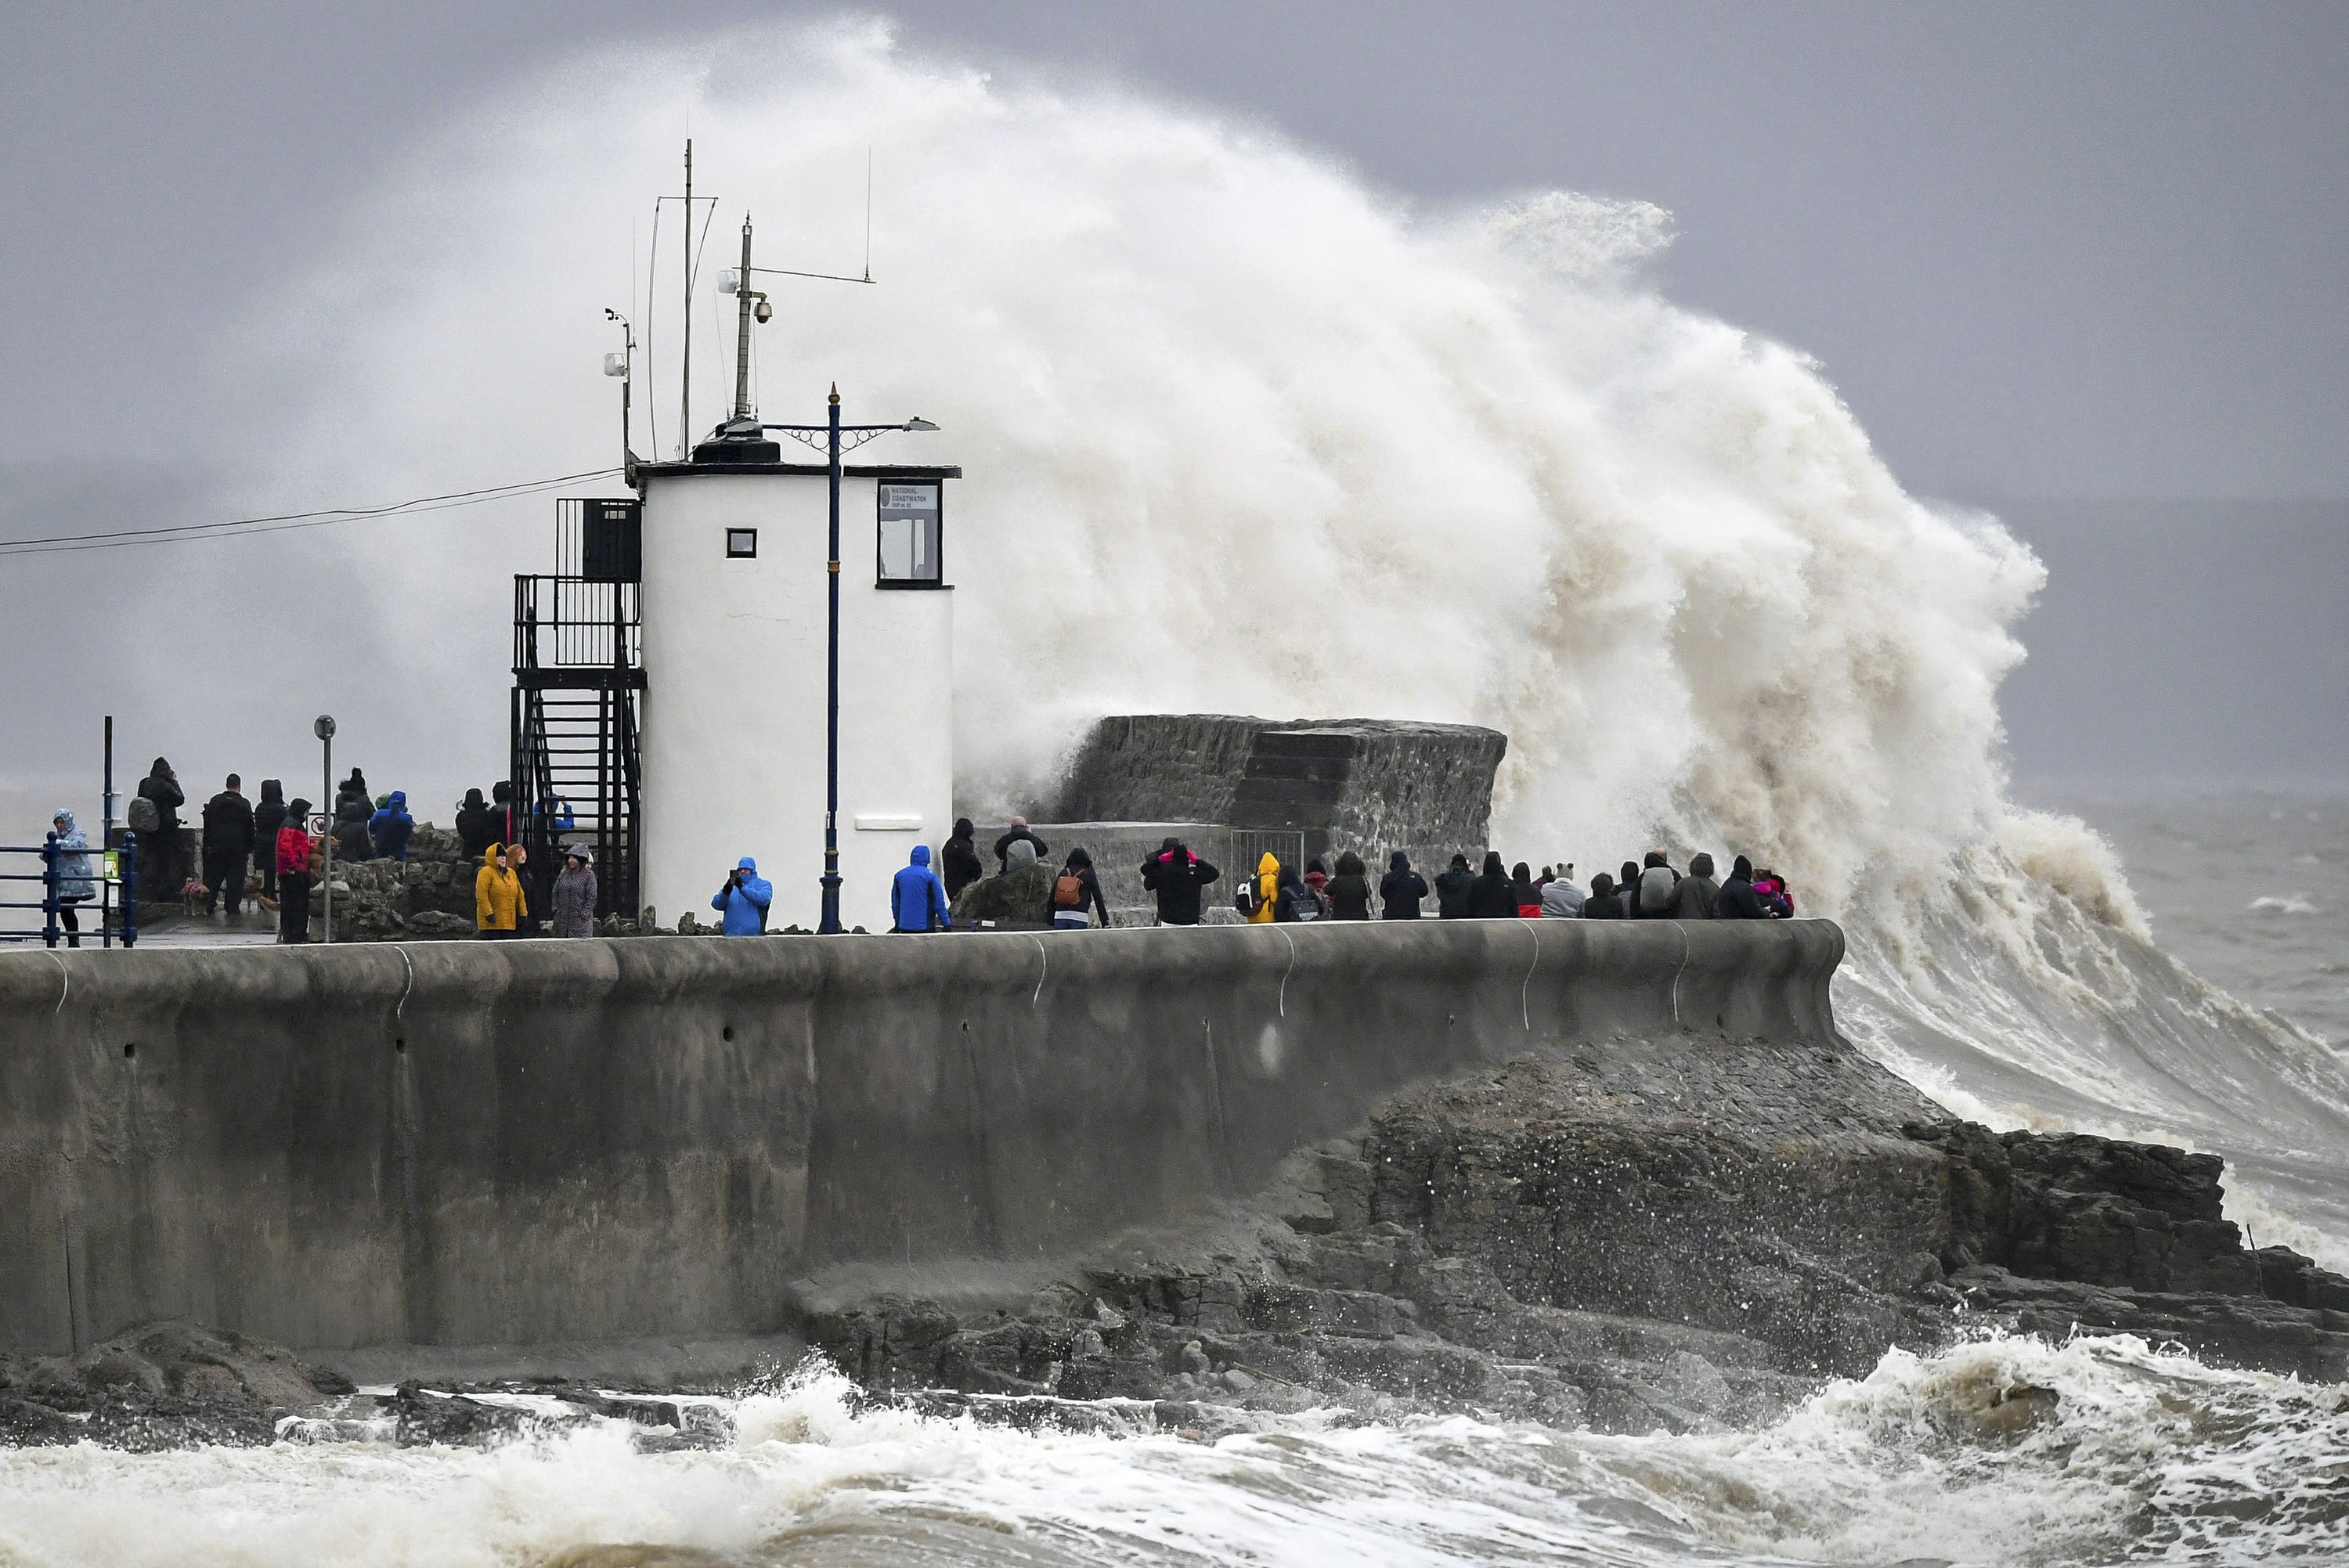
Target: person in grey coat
(1697, 896)
(575, 893)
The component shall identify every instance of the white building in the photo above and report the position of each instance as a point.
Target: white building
(735, 579)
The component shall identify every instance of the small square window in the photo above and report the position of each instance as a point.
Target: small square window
(741, 544)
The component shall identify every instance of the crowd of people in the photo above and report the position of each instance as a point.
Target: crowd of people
(1177, 878)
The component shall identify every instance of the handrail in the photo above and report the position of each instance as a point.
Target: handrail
(53, 902)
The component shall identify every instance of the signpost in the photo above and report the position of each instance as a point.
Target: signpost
(324, 730)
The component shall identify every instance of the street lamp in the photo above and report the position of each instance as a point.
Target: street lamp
(831, 431)
(323, 728)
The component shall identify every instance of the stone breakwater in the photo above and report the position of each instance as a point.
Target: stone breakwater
(1626, 1176)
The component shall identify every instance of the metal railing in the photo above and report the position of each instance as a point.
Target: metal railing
(55, 905)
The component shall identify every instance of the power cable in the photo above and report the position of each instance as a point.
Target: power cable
(280, 523)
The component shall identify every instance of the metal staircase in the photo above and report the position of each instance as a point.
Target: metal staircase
(579, 680)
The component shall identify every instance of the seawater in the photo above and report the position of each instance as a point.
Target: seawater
(2150, 1456)
(1257, 437)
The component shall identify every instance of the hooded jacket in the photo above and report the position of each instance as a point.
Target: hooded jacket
(574, 894)
(1401, 888)
(1452, 888)
(1175, 875)
(1738, 901)
(958, 861)
(1079, 865)
(498, 901)
(1349, 892)
(477, 824)
(1697, 893)
(917, 899)
(1296, 901)
(1604, 902)
(390, 827)
(1522, 888)
(1655, 892)
(162, 787)
(76, 881)
(744, 901)
(294, 843)
(1493, 896)
(1267, 891)
(228, 827)
(267, 818)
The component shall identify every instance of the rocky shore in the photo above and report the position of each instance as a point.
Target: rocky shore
(1688, 1234)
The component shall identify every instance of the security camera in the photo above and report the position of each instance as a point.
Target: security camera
(765, 313)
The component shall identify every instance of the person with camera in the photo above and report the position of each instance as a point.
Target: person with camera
(742, 901)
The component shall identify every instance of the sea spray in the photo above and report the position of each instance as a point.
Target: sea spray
(1245, 434)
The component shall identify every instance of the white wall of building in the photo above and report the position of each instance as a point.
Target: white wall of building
(733, 740)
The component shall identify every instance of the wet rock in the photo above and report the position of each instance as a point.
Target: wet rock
(1016, 898)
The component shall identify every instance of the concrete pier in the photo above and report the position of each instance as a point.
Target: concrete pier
(471, 1143)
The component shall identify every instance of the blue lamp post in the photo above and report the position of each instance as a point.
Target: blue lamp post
(831, 431)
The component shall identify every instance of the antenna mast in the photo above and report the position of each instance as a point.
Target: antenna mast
(685, 269)
(745, 310)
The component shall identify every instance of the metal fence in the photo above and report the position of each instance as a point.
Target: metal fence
(112, 870)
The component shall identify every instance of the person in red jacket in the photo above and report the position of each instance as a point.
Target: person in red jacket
(294, 846)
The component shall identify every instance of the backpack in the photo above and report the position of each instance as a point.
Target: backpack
(1244, 896)
(1306, 905)
(142, 817)
(1068, 890)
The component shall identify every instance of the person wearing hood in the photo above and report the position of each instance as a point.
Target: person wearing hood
(1296, 901)
(1453, 890)
(1008, 854)
(1317, 878)
(1522, 889)
(1349, 892)
(295, 847)
(1604, 902)
(1076, 895)
(477, 825)
(228, 846)
(390, 827)
(267, 818)
(573, 896)
(1627, 888)
(917, 899)
(1776, 895)
(959, 860)
(1401, 890)
(1256, 895)
(1176, 876)
(1656, 881)
(743, 900)
(77, 885)
(1697, 894)
(1562, 896)
(1738, 901)
(498, 900)
(162, 865)
(353, 808)
(1493, 896)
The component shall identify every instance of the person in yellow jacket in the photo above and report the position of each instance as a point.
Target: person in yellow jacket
(1268, 889)
(498, 902)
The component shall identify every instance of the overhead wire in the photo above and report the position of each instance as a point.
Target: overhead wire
(280, 523)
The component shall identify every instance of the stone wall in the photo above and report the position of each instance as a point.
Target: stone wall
(471, 1143)
(1367, 785)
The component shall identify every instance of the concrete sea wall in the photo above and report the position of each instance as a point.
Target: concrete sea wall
(477, 1143)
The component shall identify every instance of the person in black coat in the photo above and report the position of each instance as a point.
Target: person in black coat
(1295, 902)
(1452, 889)
(1401, 888)
(1075, 896)
(1604, 902)
(1738, 901)
(958, 862)
(1348, 891)
(228, 846)
(267, 818)
(1177, 875)
(1493, 896)
(166, 866)
(352, 810)
(477, 827)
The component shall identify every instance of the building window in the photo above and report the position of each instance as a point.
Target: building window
(911, 539)
(741, 544)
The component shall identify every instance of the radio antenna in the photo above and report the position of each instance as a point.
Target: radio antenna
(868, 212)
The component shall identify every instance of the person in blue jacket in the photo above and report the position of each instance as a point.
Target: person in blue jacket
(390, 827)
(917, 899)
(744, 900)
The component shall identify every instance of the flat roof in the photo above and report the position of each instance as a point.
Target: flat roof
(806, 471)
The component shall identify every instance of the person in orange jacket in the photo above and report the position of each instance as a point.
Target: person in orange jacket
(498, 901)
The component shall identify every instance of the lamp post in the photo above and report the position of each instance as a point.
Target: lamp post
(831, 431)
(324, 730)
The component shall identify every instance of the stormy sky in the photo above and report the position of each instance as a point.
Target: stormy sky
(2087, 266)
